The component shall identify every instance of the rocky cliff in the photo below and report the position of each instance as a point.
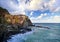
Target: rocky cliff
(21, 20)
(12, 24)
(5, 17)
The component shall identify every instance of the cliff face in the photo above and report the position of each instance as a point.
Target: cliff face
(12, 24)
(6, 18)
(18, 19)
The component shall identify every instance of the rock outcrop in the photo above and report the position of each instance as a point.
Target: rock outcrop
(12, 24)
(7, 18)
(20, 20)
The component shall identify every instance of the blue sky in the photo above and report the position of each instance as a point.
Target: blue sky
(39, 11)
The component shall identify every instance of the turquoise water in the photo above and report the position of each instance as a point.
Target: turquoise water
(39, 34)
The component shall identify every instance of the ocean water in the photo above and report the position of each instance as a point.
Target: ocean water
(39, 34)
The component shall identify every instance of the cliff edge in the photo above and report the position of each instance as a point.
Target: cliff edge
(12, 24)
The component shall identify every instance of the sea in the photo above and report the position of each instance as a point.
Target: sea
(39, 34)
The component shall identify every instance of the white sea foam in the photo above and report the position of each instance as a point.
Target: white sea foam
(19, 37)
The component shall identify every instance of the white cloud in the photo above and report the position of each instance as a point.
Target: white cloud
(41, 5)
(12, 7)
(38, 5)
(51, 2)
(57, 9)
(32, 5)
(31, 13)
(39, 17)
(45, 14)
(56, 19)
(42, 15)
(8, 4)
(18, 12)
(35, 4)
(51, 19)
(21, 7)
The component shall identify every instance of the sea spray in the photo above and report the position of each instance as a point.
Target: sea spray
(19, 37)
